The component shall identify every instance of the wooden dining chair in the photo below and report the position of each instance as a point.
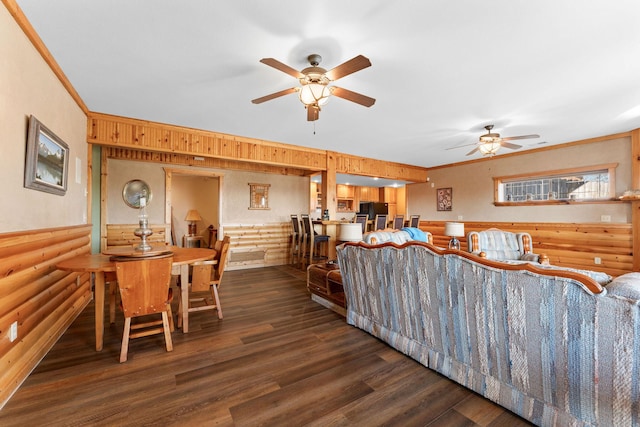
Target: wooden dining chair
(296, 238)
(206, 279)
(380, 223)
(398, 222)
(145, 290)
(311, 243)
(414, 221)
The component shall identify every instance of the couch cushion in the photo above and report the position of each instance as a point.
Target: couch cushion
(627, 286)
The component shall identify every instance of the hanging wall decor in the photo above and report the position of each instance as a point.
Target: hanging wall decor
(444, 199)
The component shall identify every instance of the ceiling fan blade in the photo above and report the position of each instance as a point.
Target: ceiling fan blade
(313, 113)
(282, 67)
(509, 145)
(461, 146)
(352, 96)
(473, 151)
(512, 138)
(349, 67)
(274, 95)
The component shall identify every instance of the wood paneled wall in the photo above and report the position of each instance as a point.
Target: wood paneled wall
(42, 300)
(122, 235)
(181, 145)
(566, 244)
(258, 245)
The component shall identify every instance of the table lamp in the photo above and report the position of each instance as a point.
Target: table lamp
(350, 232)
(453, 230)
(192, 217)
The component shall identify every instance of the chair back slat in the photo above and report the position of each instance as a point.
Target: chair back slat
(398, 222)
(380, 222)
(295, 223)
(220, 267)
(362, 219)
(144, 284)
(414, 221)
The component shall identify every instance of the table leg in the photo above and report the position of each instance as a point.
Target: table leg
(184, 294)
(98, 297)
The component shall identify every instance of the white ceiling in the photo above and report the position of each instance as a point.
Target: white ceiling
(563, 69)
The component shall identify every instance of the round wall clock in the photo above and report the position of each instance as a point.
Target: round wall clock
(134, 190)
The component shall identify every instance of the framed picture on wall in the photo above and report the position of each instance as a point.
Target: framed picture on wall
(444, 199)
(259, 196)
(47, 160)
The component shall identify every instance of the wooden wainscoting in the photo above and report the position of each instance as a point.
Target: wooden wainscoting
(258, 245)
(122, 235)
(42, 300)
(566, 244)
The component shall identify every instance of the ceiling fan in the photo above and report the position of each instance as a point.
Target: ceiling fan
(489, 143)
(314, 90)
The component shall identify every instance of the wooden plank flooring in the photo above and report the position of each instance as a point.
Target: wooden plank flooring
(276, 359)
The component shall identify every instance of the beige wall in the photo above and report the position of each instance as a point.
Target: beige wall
(28, 87)
(472, 186)
(287, 195)
(119, 172)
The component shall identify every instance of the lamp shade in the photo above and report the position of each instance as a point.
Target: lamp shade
(193, 215)
(314, 93)
(454, 229)
(350, 232)
(489, 148)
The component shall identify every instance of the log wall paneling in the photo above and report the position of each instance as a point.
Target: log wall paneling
(566, 244)
(354, 165)
(122, 235)
(258, 245)
(42, 300)
(149, 141)
(143, 135)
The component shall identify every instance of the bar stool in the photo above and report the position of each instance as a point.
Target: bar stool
(311, 242)
(296, 239)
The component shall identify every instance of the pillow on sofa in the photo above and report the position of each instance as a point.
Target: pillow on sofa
(530, 257)
(627, 286)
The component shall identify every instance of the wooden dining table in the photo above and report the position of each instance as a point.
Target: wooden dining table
(101, 264)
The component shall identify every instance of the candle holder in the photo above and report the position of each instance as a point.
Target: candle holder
(143, 231)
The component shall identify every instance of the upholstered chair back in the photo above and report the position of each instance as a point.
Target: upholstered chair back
(500, 245)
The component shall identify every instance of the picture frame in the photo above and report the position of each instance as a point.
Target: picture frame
(47, 160)
(259, 196)
(444, 199)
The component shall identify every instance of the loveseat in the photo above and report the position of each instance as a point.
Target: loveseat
(502, 245)
(553, 346)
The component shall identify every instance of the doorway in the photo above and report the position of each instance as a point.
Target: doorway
(193, 190)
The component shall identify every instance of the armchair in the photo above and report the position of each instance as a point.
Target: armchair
(503, 246)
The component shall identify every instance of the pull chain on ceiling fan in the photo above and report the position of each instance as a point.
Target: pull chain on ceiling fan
(314, 90)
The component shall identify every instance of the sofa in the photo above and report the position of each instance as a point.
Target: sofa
(502, 245)
(557, 347)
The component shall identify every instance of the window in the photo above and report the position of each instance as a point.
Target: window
(595, 183)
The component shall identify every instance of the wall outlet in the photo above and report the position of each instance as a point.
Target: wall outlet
(605, 218)
(13, 332)
(597, 260)
(459, 217)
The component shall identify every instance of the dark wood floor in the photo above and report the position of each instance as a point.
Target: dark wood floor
(276, 359)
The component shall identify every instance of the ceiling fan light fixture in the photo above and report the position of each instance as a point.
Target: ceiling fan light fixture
(314, 93)
(489, 148)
